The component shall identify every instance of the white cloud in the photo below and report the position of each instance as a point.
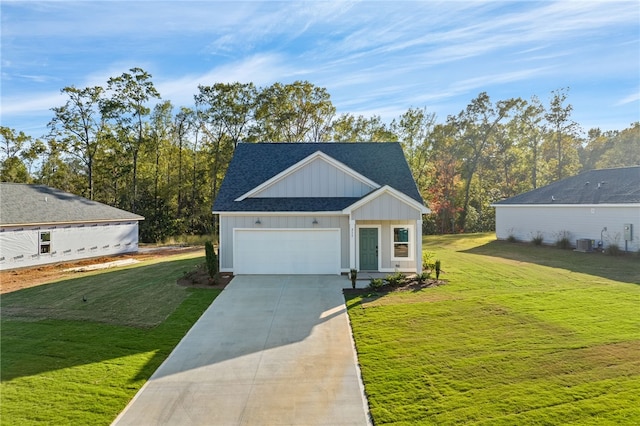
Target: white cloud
(633, 97)
(263, 69)
(30, 104)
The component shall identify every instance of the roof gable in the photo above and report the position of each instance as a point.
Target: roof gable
(317, 175)
(383, 194)
(24, 204)
(254, 164)
(602, 186)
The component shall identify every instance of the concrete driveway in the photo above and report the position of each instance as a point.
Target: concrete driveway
(270, 350)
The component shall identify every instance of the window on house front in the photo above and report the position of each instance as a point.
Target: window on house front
(45, 242)
(402, 243)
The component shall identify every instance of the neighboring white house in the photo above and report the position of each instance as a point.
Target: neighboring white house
(40, 225)
(319, 208)
(598, 206)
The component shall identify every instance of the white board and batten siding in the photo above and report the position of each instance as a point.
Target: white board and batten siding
(279, 223)
(581, 221)
(386, 207)
(23, 246)
(316, 179)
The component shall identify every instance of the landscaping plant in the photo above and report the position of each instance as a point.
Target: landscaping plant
(353, 276)
(211, 259)
(396, 279)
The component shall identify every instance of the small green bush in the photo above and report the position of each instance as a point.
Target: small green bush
(563, 240)
(396, 279)
(211, 259)
(376, 283)
(613, 250)
(423, 277)
(537, 239)
(512, 238)
(428, 260)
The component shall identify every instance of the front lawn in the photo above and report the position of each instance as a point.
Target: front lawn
(519, 335)
(65, 360)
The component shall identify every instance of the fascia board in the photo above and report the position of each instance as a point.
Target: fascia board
(280, 213)
(391, 191)
(70, 222)
(300, 164)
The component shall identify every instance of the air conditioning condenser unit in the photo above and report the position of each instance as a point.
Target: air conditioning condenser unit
(584, 245)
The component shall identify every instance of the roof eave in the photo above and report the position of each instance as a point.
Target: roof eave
(70, 222)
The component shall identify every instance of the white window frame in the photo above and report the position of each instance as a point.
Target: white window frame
(411, 243)
(42, 243)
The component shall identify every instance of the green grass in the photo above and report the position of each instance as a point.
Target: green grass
(520, 334)
(65, 361)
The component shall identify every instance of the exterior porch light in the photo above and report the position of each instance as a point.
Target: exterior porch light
(258, 221)
(315, 221)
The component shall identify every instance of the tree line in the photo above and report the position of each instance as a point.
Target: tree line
(123, 145)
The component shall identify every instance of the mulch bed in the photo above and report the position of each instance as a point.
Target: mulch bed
(411, 285)
(199, 278)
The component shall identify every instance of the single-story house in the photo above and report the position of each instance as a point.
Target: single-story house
(40, 225)
(594, 209)
(319, 208)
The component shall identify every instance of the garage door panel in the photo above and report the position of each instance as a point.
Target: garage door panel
(287, 251)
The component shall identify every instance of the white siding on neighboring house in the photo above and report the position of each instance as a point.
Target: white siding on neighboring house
(386, 207)
(24, 246)
(229, 222)
(581, 221)
(316, 179)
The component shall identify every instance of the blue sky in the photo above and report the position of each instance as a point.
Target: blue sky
(373, 57)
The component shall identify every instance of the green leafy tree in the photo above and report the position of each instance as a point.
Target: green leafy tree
(349, 128)
(476, 127)
(78, 124)
(414, 130)
(563, 134)
(128, 106)
(623, 149)
(297, 112)
(12, 168)
(532, 128)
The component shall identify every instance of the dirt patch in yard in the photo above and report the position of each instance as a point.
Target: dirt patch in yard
(18, 279)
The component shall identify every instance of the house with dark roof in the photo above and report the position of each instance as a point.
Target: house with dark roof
(319, 208)
(40, 225)
(594, 209)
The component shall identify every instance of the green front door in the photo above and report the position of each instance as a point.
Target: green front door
(368, 242)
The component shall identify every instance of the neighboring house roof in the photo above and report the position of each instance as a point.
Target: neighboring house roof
(22, 204)
(253, 164)
(603, 186)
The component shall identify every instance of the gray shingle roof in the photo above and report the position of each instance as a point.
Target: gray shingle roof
(603, 186)
(253, 164)
(22, 204)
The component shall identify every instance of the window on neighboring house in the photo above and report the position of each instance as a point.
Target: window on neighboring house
(402, 242)
(45, 242)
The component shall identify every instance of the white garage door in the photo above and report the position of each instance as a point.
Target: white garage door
(286, 251)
